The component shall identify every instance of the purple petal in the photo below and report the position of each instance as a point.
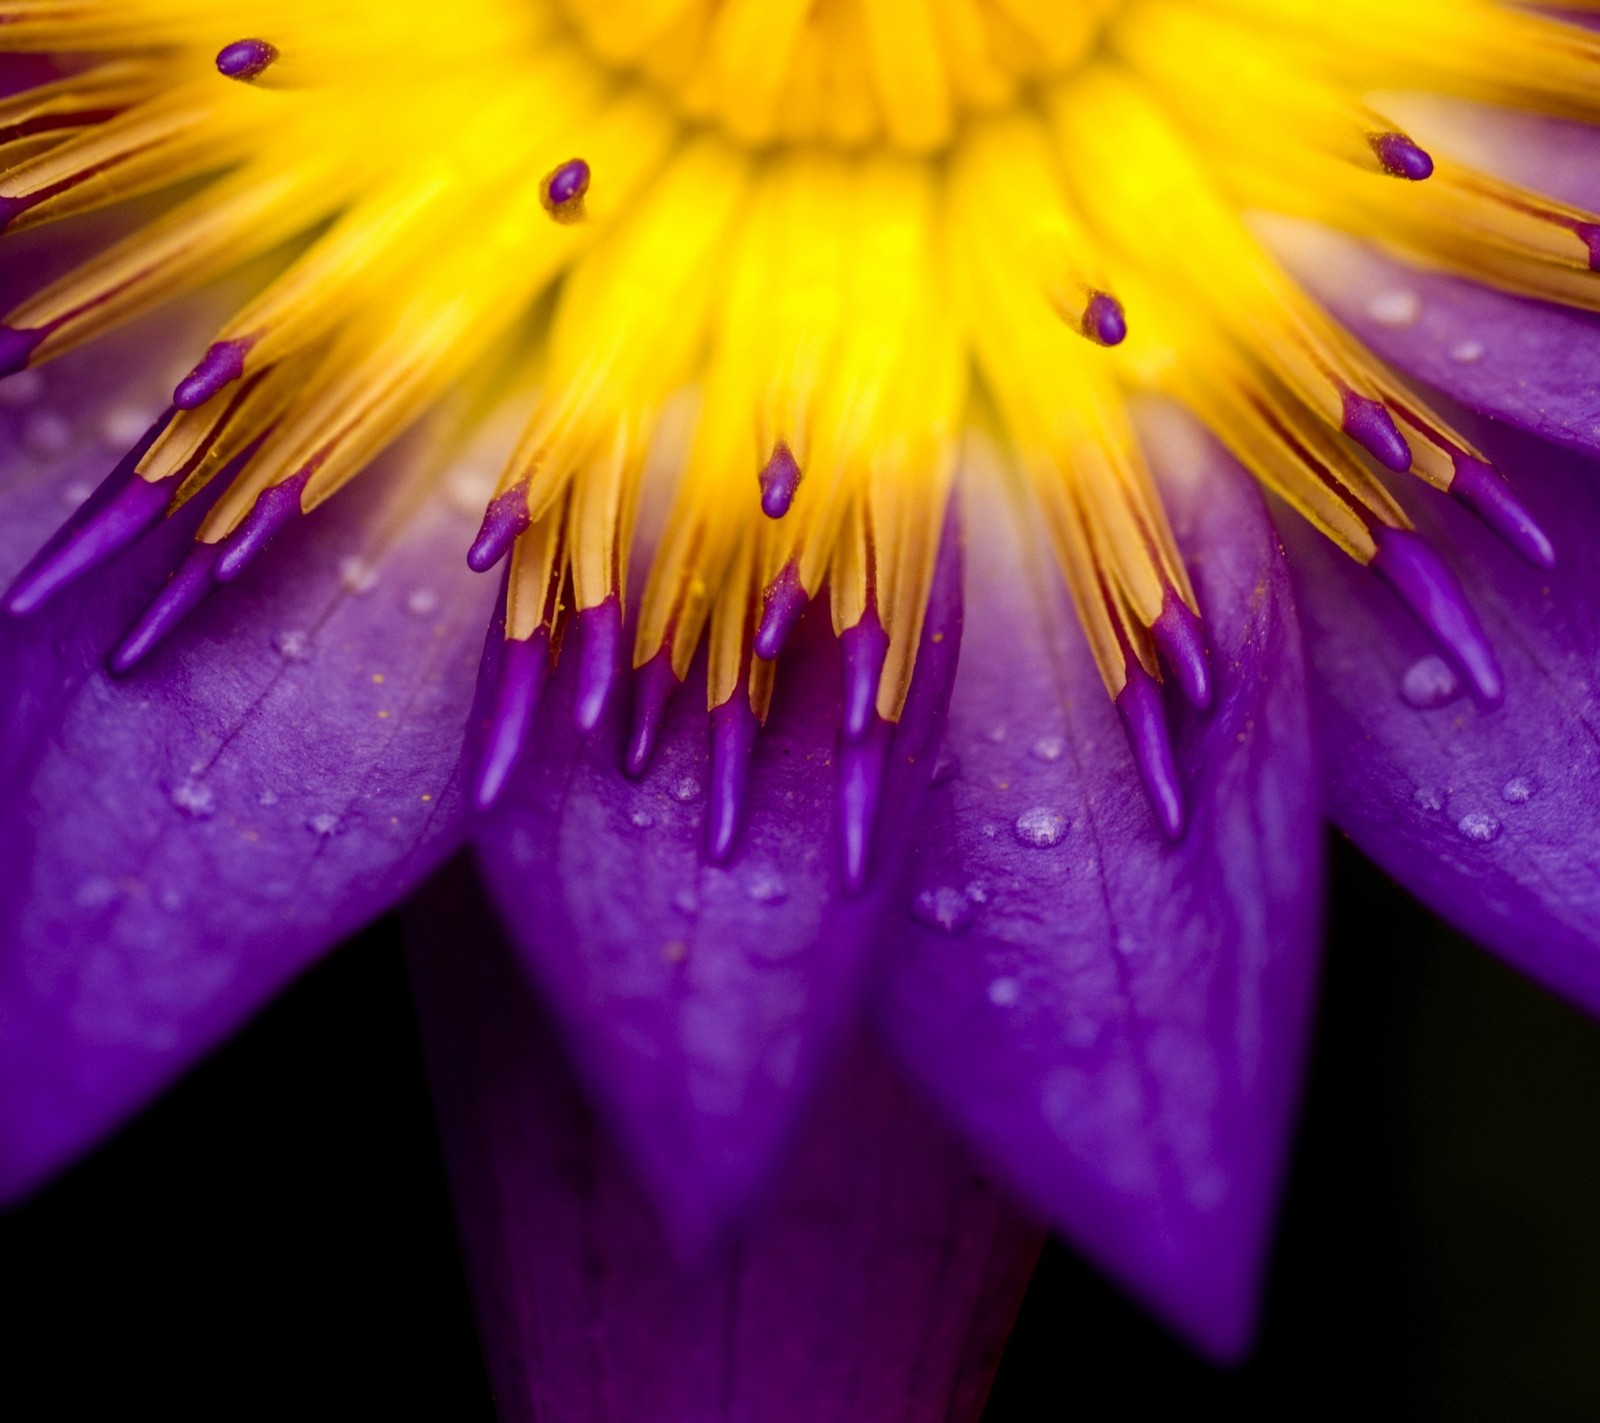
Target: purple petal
(702, 1001)
(1535, 366)
(1492, 819)
(1115, 1021)
(881, 1285)
(181, 842)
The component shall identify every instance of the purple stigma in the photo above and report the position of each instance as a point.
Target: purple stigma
(1401, 158)
(17, 347)
(504, 519)
(1144, 719)
(563, 190)
(184, 592)
(1104, 321)
(1181, 639)
(275, 508)
(782, 604)
(599, 638)
(653, 686)
(1483, 491)
(865, 648)
(733, 739)
(863, 765)
(245, 59)
(519, 678)
(114, 516)
(221, 365)
(780, 479)
(1371, 426)
(1426, 586)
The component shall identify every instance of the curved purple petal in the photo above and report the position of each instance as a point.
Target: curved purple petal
(881, 1285)
(180, 843)
(1492, 819)
(701, 1002)
(1116, 1022)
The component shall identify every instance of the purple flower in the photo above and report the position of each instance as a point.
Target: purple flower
(825, 924)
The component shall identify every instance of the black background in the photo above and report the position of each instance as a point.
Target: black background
(274, 1237)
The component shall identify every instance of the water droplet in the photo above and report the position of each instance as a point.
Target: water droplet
(324, 823)
(1429, 683)
(46, 434)
(767, 887)
(356, 575)
(1041, 827)
(422, 602)
(293, 645)
(1517, 791)
(946, 909)
(1049, 748)
(1427, 798)
(1467, 353)
(123, 426)
(73, 494)
(194, 799)
(1004, 992)
(22, 389)
(1478, 827)
(267, 798)
(1396, 310)
(686, 789)
(641, 819)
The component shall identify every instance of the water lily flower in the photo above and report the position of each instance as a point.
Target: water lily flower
(956, 491)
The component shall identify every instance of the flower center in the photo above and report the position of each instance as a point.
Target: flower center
(843, 72)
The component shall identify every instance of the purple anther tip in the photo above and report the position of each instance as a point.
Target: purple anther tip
(17, 347)
(653, 686)
(1144, 719)
(864, 648)
(599, 640)
(1589, 235)
(504, 519)
(1483, 491)
(1371, 426)
(733, 739)
(863, 765)
(1426, 586)
(221, 365)
(121, 509)
(277, 507)
(781, 606)
(563, 190)
(1401, 158)
(245, 59)
(133, 509)
(518, 684)
(183, 594)
(780, 479)
(1104, 321)
(1181, 639)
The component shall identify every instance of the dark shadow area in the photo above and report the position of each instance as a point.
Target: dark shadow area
(274, 1237)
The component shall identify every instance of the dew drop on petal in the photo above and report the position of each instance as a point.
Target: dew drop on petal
(324, 823)
(946, 909)
(356, 575)
(1478, 827)
(1396, 310)
(1041, 827)
(1049, 748)
(292, 645)
(422, 602)
(194, 799)
(1467, 353)
(1517, 791)
(1004, 992)
(1429, 683)
(46, 434)
(21, 390)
